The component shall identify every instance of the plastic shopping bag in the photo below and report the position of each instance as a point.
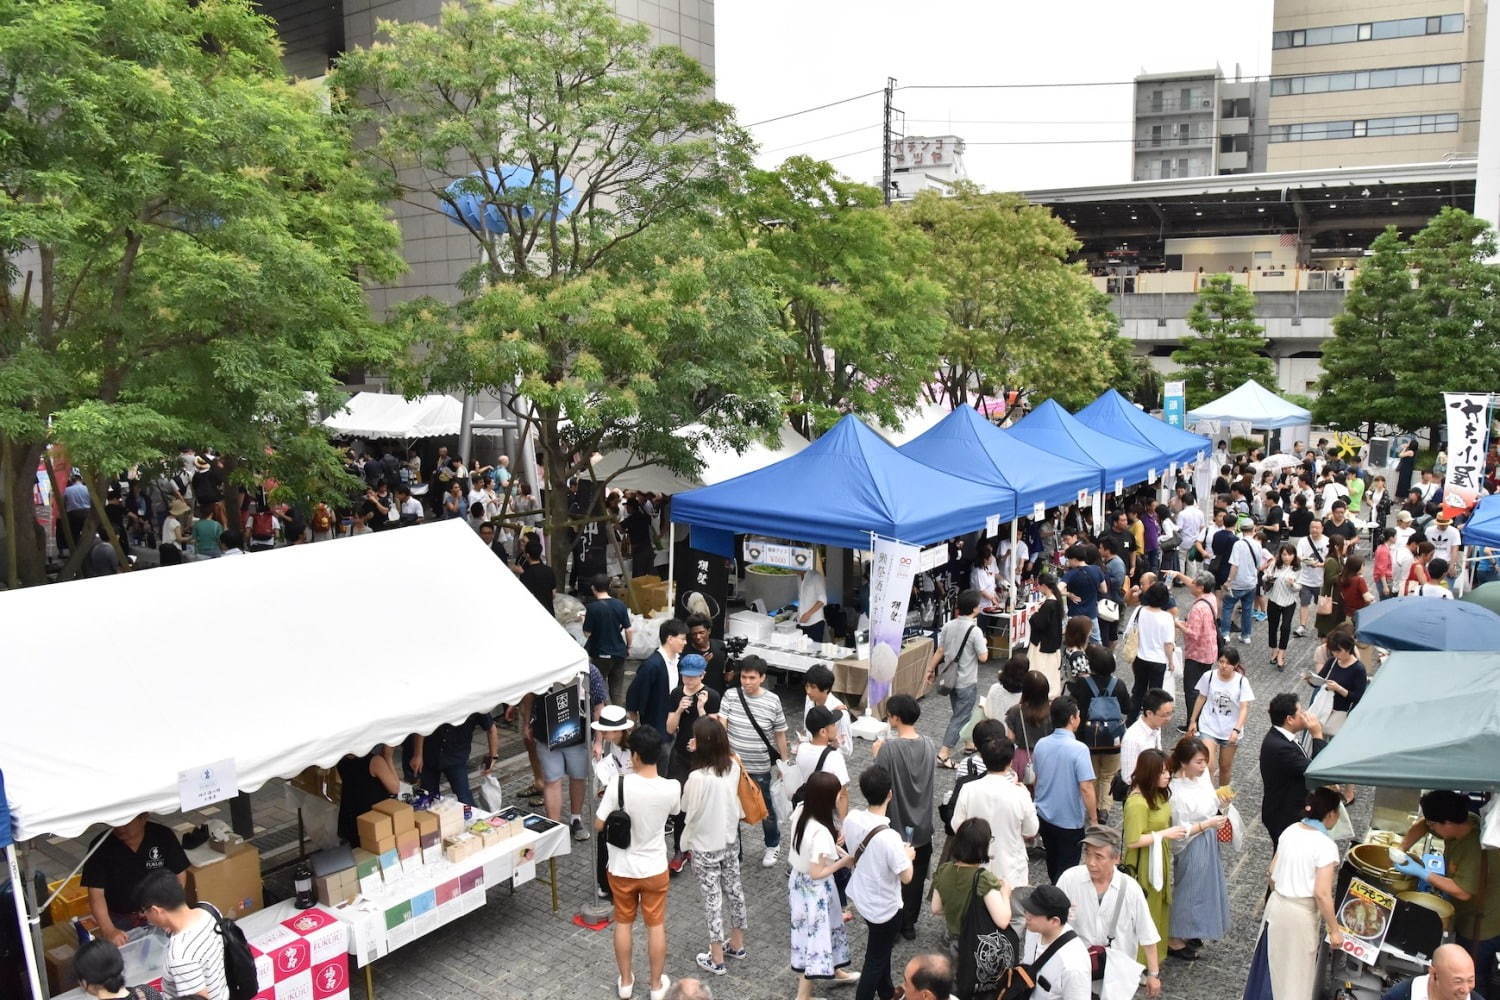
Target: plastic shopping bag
(489, 794)
(1236, 828)
(782, 786)
(1322, 705)
(1122, 976)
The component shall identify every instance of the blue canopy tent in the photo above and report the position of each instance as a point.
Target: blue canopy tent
(1057, 432)
(1484, 524)
(1118, 417)
(476, 198)
(837, 490)
(965, 444)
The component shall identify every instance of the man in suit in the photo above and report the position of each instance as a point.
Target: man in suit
(1283, 763)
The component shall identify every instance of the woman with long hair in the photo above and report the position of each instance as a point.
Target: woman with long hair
(1333, 571)
(1354, 593)
(1281, 601)
(1029, 720)
(1045, 651)
(1148, 819)
(820, 945)
(1200, 897)
(711, 802)
(1303, 871)
(1076, 635)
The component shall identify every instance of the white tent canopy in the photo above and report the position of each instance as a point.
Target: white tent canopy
(268, 668)
(387, 415)
(1253, 404)
(915, 423)
(719, 463)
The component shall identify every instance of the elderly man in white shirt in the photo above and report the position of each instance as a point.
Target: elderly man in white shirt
(1109, 907)
(1003, 802)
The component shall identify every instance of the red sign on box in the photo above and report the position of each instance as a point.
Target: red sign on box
(331, 979)
(308, 921)
(291, 959)
(471, 880)
(448, 891)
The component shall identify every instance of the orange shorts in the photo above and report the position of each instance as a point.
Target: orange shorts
(649, 895)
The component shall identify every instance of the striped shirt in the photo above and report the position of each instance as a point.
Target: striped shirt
(743, 739)
(195, 961)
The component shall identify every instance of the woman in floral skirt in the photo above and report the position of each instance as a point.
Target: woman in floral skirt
(820, 945)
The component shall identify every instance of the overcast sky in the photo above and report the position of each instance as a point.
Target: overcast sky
(778, 56)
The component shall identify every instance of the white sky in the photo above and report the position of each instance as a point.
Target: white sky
(778, 56)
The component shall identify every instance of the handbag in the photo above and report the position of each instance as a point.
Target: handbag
(617, 823)
(1132, 639)
(947, 675)
(1022, 979)
(985, 952)
(1028, 777)
(752, 803)
(1109, 609)
(1325, 604)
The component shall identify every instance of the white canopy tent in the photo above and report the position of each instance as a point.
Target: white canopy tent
(915, 423)
(388, 415)
(1252, 404)
(271, 679)
(719, 463)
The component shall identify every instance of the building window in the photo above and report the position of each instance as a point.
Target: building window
(1365, 127)
(1156, 135)
(1406, 27)
(1184, 133)
(1182, 167)
(1156, 102)
(1375, 79)
(1166, 168)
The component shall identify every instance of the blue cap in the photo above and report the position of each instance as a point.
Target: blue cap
(692, 665)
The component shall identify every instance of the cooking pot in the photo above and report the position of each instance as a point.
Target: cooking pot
(1433, 902)
(1373, 862)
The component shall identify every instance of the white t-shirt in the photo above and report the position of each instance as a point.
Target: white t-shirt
(875, 888)
(1189, 527)
(170, 529)
(1155, 629)
(1300, 852)
(649, 801)
(1445, 541)
(832, 703)
(817, 844)
(811, 590)
(983, 578)
(807, 758)
(1066, 975)
(195, 961)
(1245, 558)
(1430, 590)
(1221, 702)
(1401, 560)
(1311, 575)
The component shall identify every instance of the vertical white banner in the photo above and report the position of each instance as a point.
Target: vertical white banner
(1468, 429)
(892, 566)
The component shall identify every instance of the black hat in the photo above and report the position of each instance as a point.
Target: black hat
(1046, 901)
(820, 718)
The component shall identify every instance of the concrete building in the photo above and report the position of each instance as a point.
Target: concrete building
(1355, 84)
(923, 163)
(1295, 239)
(1197, 124)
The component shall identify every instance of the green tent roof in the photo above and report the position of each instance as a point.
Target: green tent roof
(1428, 720)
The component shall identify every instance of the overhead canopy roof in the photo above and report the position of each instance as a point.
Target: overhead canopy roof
(968, 445)
(837, 490)
(1057, 432)
(1253, 404)
(719, 463)
(387, 415)
(1428, 720)
(264, 670)
(1484, 524)
(1118, 417)
(1429, 624)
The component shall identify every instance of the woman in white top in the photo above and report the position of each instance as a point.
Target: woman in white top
(1302, 875)
(1200, 896)
(820, 944)
(1281, 603)
(1221, 703)
(985, 575)
(711, 800)
(1156, 635)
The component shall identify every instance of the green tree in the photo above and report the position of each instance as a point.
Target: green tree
(1358, 386)
(850, 281)
(604, 309)
(1226, 351)
(1019, 316)
(182, 237)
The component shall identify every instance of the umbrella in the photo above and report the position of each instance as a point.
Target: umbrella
(1275, 463)
(477, 197)
(1486, 595)
(1429, 623)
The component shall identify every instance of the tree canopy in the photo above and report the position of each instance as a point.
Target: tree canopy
(1225, 352)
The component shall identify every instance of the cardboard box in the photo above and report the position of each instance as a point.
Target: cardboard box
(231, 884)
(408, 843)
(461, 847)
(337, 888)
(427, 823)
(648, 593)
(373, 827)
(60, 976)
(403, 817)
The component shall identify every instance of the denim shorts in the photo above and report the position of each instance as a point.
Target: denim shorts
(1307, 595)
(574, 761)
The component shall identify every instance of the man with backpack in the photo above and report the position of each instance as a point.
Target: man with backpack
(1003, 802)
(1104, 704)
(195, 960)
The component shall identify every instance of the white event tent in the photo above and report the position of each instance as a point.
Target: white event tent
(389, 415)
(719, 463)
(263, 669)
(1252, 404)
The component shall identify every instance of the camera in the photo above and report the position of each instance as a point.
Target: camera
(735, 645)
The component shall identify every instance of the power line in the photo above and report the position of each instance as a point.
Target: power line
(820, 107)
(821, 138)
(857, 152)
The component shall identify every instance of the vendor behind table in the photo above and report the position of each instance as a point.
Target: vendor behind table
(116, 869)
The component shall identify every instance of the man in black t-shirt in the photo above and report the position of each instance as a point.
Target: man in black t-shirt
(446, 754)
(637, 528)
(537, 577)
(1300, 517)
(1124, 540)
(114, 872)
(1338, 522)
(377, 507)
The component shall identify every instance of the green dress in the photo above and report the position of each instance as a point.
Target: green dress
(1139, 821)
(1333, 568)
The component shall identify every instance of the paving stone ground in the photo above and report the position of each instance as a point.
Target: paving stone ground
(516, 947)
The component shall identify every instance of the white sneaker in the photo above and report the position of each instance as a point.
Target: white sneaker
(661, 991)
(623, 991)
(1245, 640)
(768, 859)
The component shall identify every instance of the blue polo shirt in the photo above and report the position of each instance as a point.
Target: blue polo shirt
(1061, 763)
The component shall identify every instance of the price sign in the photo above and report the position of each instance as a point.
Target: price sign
(1038, 510)
(992, 525)
(1119, 486)
(203, 786)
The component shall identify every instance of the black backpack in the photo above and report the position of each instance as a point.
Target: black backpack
(797, 795)
(239, 964)
(947, 807)
(617, 823)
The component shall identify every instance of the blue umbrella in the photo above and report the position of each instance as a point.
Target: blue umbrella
(477, 198)
(1429, 623)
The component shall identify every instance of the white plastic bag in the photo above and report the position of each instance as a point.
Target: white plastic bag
(1322, 705)
(489, 794)
(1122, 976)
(1236, 828)
(781, 791)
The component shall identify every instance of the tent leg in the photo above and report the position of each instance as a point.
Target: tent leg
(672, 571)
(1014, 581)
(21, 893)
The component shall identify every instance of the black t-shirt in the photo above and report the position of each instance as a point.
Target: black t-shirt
(539, 579)
(449, 745)
(375, 518)
(1347, 531)
(690, 715)
(1123, 541)
(1298, 521)
(119, 871)
(638, 529)
(718, 662)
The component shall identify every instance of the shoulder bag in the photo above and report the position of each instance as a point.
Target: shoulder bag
(770, 747)
(1028, 777)
(859, 852)
(1131, 644)
(1099, 953)
(947, 675)
(947, 807)
(823, 757)
(617, 823)
(985, 952)
(1022, 978)
(752, 802)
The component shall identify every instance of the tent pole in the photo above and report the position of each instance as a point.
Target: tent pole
(20, 893)
(672, 569)
(1014, 581)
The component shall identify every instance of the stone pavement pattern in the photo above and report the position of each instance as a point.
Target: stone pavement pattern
(515, 948)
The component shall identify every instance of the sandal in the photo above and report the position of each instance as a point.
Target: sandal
(947, 762)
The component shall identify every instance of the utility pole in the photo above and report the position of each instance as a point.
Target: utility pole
(885, 145)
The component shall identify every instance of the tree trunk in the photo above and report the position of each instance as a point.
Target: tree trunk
(26, 541)
(555, 514)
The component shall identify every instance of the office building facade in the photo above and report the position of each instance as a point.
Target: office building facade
(1197, 124)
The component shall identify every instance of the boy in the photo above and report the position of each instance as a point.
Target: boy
(817, 684)
(821, 752)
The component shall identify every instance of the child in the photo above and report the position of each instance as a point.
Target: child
(1385, 584)
(817, 684)
(610, 732)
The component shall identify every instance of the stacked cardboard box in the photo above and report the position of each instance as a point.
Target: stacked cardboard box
(376, 834)
(462, 846)
(232, 883)
(430, 837)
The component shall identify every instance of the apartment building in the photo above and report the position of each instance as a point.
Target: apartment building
(1374, 83)
(1197, 124)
